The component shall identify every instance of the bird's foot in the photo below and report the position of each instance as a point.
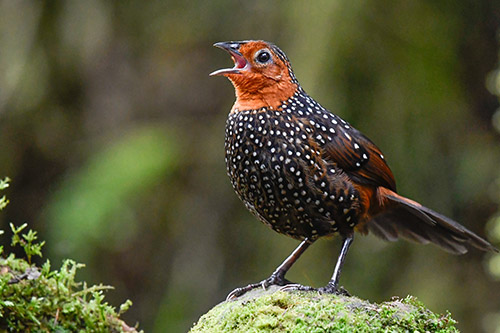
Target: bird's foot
(273, 280)
(328, 289)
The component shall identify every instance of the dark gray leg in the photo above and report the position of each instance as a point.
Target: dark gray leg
(332, 286)
(278, 276)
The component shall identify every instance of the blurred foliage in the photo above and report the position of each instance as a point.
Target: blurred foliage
(112, 132)
(98, 196)
(493, 85)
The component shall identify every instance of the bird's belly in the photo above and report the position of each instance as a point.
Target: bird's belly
(282, 182)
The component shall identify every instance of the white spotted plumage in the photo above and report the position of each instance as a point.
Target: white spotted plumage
(269, 178)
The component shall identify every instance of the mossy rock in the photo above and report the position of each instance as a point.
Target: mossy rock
(276, 311)
(41, 299)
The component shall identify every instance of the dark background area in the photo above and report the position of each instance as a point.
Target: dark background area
(112, 133)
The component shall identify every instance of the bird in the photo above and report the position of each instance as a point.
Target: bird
(307, 173)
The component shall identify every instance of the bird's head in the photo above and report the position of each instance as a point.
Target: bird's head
(262, 75)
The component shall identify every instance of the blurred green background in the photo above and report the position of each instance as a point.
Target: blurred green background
(113, 134)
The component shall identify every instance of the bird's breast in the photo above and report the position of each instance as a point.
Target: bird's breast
(277, 168)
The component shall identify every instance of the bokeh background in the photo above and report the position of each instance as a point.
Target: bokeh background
(112, 133)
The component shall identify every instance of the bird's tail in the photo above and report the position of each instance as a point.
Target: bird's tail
(409, 219)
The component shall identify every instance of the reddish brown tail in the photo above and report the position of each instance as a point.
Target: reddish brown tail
(409, 219)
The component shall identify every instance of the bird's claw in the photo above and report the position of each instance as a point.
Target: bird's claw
(328, 289)
(342, 291)
(297, 287)
(273, 280)
(242, 290)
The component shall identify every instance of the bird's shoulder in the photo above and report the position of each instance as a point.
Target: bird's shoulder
(342, 144)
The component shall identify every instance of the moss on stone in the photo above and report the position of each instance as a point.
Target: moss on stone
(41, 299)
(277, 311)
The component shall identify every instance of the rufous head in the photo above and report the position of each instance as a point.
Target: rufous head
(262, 75)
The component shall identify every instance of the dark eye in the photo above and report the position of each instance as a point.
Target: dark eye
(263, 57)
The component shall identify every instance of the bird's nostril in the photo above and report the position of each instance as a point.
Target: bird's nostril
(234, 46)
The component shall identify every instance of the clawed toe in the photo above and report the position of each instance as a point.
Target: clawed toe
(328, 289)
(296, 287)
(273, 280)
(342, 291)
(243, 290)
(286, 286)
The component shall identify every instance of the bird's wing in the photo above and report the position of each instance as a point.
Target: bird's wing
(353, 152)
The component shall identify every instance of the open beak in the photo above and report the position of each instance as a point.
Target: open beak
(240, 63)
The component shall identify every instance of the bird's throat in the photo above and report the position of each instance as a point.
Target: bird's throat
(269, 97)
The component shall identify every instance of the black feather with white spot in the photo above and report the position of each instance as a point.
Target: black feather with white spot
(279, 166)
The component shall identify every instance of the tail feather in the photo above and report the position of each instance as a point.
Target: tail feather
(408, 219)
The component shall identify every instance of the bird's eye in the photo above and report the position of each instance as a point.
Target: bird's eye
(263, 57)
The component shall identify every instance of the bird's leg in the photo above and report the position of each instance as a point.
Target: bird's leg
(278, 276)
(332, 286)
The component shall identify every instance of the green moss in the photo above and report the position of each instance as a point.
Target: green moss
(276, 311)
(4, 183)
(40, 299)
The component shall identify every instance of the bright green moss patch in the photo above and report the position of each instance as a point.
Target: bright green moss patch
(275, 311)
(41, 299)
